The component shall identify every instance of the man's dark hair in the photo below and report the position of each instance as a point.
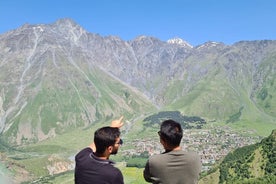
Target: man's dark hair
(171, 132)
(104, 137)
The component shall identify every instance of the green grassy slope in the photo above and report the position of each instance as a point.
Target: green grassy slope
(64, 101)
(216, 97)
(265, 96)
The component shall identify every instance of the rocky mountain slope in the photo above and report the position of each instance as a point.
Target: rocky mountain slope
(57, 77)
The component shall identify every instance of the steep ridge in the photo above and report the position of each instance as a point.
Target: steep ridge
(51, 85)
(251, 164)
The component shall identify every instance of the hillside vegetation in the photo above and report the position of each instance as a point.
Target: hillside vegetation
(250, 164)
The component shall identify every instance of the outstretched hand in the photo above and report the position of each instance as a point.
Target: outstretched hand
(118, 123)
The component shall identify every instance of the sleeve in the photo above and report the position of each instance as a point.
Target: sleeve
(147, 172)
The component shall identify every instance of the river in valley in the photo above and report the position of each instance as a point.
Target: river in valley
(4, 173)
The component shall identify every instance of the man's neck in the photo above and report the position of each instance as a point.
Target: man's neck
(173, 149)
(102, 156)
(177, 148)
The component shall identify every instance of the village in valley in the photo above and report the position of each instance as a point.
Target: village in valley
(211, 144)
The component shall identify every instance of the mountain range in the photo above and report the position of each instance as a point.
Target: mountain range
(58, 77)
(59, 81)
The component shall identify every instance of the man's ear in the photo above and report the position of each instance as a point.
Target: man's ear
(163, 142)
(110, 149)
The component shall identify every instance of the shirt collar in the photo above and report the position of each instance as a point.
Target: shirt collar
(97, 159)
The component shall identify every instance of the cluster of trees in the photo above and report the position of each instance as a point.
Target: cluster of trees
(263, 180)
(138, 161)
(187, 122)
(236, 161)
(235, 117)
(269, 152)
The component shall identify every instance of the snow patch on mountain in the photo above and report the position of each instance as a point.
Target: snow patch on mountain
(180, 42)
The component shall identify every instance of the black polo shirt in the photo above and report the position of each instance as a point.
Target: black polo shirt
(92, 170)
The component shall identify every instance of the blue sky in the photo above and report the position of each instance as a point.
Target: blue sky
(196, 21)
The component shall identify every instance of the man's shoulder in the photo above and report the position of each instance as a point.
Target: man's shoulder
(83, 152)
(193, 154)
(157, 157)
(110, 171)
(115, 169)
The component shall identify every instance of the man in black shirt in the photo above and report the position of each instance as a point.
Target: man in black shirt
(92, 163)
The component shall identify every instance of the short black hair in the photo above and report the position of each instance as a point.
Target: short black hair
(104, 137)
(171, 132)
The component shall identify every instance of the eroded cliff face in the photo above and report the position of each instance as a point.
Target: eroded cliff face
(2, 114)
(58, 165)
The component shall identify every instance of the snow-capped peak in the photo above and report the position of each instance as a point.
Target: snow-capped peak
(179, 41)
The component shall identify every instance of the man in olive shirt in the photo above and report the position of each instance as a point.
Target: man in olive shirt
(174, 166)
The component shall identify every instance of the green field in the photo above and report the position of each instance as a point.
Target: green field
(131, 176)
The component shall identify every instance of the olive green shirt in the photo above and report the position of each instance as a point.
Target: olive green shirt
(174, 167)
